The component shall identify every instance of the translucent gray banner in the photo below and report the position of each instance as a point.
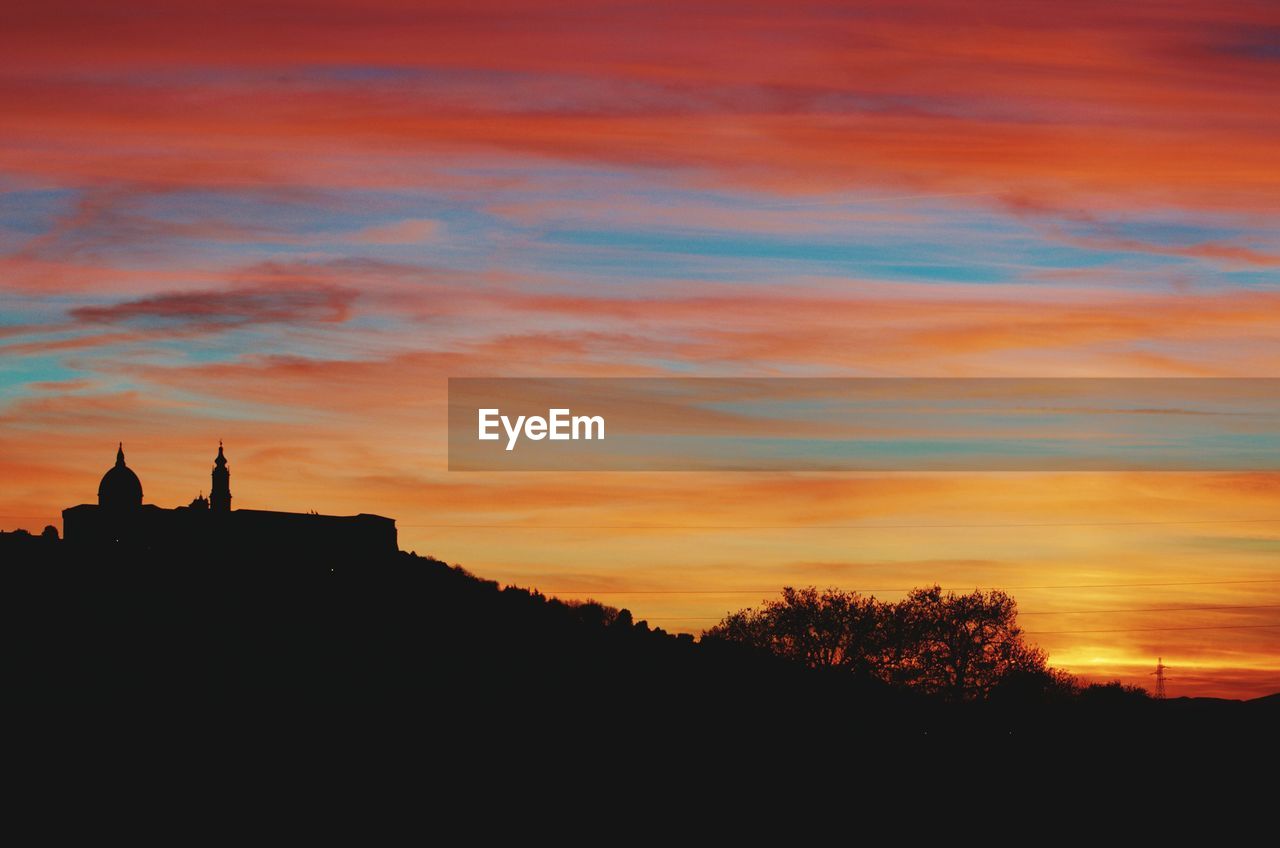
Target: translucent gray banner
(864, 424)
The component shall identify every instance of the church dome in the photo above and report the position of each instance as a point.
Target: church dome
(120, 487)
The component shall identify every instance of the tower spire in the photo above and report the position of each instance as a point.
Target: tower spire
(120, 455)
(220, 494)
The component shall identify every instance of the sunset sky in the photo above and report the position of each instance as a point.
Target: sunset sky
(285, 225)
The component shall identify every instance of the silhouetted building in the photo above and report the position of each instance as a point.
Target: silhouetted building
(220, 494)
(120, 520)
(120, 487)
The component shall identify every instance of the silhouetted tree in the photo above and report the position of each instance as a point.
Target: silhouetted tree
(828, 629)
(959, 646)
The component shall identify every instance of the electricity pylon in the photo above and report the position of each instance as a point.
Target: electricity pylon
(1159, 673)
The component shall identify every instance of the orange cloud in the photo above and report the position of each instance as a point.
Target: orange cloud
(1086, 101)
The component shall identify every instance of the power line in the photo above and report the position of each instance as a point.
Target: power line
(776, 590)
(1136, 585)
(837, 526)
(1038, 612)
(1033, 525)
(1154, 609)
(1234, 606)
(1061, 632)
(1151, 629)
(1058, 632)
(507, 526)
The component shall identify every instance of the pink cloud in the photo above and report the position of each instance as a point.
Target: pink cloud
(413, 231)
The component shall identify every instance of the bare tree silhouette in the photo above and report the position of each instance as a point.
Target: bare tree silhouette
(960, 646)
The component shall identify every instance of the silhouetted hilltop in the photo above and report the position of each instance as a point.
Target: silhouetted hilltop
(400, 630)
(411, 644)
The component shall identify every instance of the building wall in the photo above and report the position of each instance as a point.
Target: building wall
(187, 531)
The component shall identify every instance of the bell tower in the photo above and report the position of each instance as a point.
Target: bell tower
(220, 494)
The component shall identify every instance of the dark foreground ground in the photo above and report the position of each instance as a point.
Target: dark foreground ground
(409, 647)
(191, 697)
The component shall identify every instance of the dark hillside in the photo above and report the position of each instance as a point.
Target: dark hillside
(407, 643)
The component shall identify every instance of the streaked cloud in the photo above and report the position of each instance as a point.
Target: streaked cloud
(219, 309)
(288, 229)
